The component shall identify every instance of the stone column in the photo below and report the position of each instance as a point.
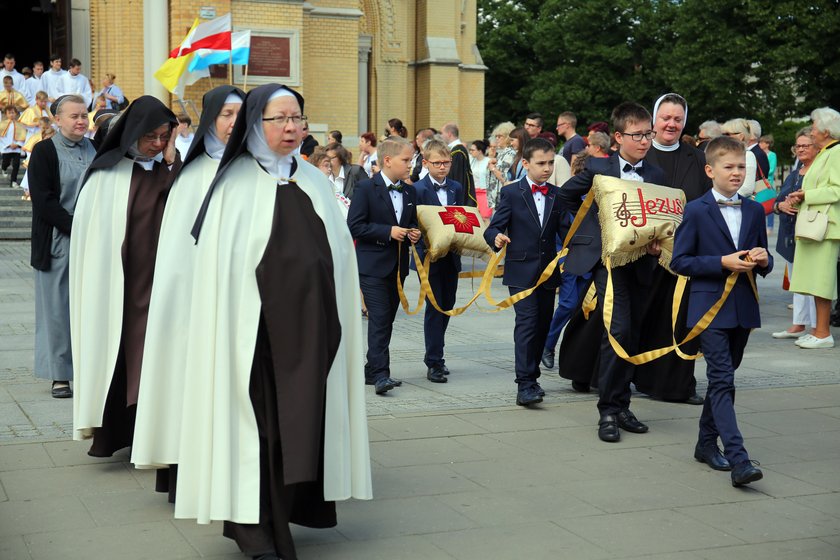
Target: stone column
(155, 45)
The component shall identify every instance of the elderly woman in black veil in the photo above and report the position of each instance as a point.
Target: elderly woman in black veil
(112, 255)
(274, 426)
(162, 377)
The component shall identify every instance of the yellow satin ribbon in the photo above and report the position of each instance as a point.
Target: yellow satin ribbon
(589, 303)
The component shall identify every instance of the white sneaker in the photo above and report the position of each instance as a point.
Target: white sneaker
(15, 185)
(814, 342)
(802, 339)
(786, 334)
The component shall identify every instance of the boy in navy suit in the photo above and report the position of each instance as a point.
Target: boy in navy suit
(723, 233)
(527, 219)
(382, 215)
(633, 132)
(438, 190)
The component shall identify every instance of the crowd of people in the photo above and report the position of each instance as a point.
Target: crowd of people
(164, 292)
(27, 98)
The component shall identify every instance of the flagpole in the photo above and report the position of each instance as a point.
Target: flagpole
(245, 81)
(230, 66)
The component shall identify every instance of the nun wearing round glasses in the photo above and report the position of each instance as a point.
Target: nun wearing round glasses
(162, 391)
(277, 428)
(112, 256)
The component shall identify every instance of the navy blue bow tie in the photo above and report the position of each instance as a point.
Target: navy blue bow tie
(438, 187)
(636, 169)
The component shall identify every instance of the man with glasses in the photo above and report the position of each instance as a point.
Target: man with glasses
(437, 189)
(707, 131)
(573, 143)
(633, 133)
(533, 124)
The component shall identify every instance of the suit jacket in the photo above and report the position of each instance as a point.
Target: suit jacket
(585, 247)
(462, 172)
(531, 245)
(353, 174)
(762, 164)
(426, 194)
(370, 219)
(700, 242)
(689, 175)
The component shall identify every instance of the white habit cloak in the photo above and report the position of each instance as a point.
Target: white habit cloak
(219, 456)
(159, 401)
(97, 287)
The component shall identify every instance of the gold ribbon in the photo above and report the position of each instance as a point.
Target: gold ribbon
(590, 300)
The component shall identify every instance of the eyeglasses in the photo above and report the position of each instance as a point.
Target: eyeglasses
(802, 146)
(637, 136)
(731, 133)
(282, 120)
(152, 137)
(440, 164)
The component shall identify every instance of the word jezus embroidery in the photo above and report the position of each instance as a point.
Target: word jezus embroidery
(638, 212)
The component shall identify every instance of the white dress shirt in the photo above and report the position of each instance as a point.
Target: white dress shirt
(338, 181)
(731, 215)
(539, 201)
(396, 197)
(442, 192)
(631, 175)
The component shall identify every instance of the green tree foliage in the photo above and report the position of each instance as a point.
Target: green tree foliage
(764, 59)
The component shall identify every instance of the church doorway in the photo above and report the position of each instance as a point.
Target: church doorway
(34, 29)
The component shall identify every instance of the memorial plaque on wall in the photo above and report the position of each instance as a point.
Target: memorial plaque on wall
(270, 57)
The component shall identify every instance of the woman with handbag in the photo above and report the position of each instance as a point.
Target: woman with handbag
(804, 313)
(818, 227)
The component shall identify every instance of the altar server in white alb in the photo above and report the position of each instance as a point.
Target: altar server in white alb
(274, 427)
(112, 257)
(51, 80)
(74, 82)
(156, 436)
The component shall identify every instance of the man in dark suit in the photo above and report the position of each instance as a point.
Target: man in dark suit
(527, 219)
(437, 190)
(633, 132)
(460, 170)
(345, 175)
(722, 233)
(382, 217)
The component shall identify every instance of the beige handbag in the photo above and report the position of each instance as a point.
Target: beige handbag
(811, 225)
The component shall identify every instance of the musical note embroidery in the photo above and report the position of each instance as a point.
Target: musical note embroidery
(635, 237)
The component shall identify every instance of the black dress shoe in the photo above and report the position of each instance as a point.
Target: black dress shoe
(539, 390)
(608, 428)
(580, 386)
(525, 397)
(694, 399)
(62, 391)
(383, 385)
(548, 358)
(436, 375)
(712, 456)
(628, 421)
(744, 473)
(444, 369)
(396, 382)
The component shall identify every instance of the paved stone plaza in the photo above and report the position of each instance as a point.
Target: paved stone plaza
(459, 470)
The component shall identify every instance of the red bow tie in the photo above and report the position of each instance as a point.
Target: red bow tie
(542, 188)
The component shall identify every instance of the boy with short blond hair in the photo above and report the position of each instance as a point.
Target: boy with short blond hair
(437, 189)
(11, 97)
(722, 233)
